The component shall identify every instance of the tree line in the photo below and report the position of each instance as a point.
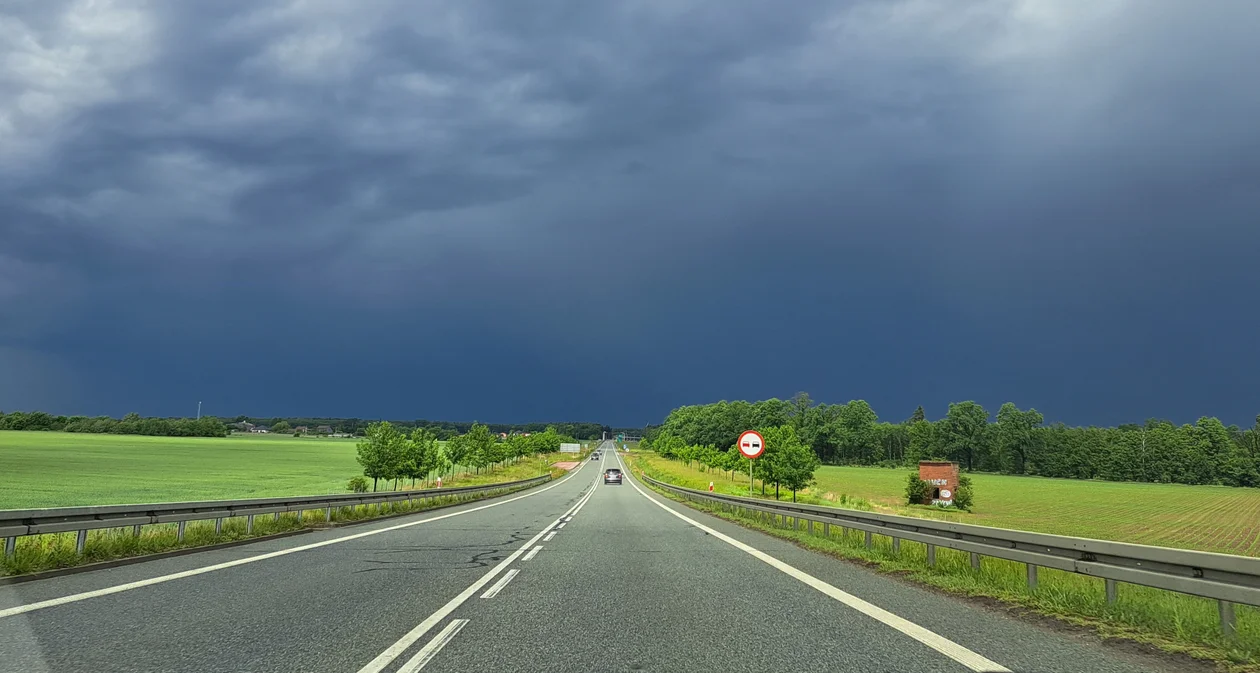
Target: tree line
(785, 460)
(443, 430)
(390, 453)
(131, 424)
(1015, 441)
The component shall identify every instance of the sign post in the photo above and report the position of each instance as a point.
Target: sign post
(751, 445)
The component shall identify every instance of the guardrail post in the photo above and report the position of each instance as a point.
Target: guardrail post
(975, 561)
(931, 555)
(300, 512)
(10, 546)
(1111, 591)
(249, 524)
(1229, 627)
(80, 542)
(826, 530)
(1032, 576)
(868, 539)
(218, 526)
(135, 530)
(896, 546)
(179, 531)
(328, 513)
(275, 517)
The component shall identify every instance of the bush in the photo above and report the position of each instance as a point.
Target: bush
(963, 497)
(917, 490)
(358, 484)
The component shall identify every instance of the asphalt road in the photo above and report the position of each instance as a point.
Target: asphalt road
(572, 576)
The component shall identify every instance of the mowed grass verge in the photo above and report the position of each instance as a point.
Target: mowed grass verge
(1206, 518)
(1169, 621)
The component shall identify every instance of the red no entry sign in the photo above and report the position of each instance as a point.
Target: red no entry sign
(751, 444)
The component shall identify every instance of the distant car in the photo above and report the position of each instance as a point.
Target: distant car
(612, 476)
(595, 456)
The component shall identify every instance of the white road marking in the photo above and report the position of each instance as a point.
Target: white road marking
(74, 598)
(430, 650)
(549, 536)
(391, 653)
(532, 553)
(561, 525)
(947, 647)
(498, 586)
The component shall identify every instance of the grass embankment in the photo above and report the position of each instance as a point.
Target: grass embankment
(1206, 518)
(1169, 621)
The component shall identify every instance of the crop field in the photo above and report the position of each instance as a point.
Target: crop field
(1208, 518)
(54, 469)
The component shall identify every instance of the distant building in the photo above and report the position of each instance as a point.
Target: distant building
(260, 429)
(324, 430)
(244, 426)
(301, 429)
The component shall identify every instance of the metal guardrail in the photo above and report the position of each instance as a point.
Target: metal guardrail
(1227, 578)
(21, 522)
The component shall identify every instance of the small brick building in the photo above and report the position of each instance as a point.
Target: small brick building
(942, 477)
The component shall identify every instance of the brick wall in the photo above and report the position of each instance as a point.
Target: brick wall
(942, 478)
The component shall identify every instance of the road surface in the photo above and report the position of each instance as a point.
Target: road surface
(573, 576)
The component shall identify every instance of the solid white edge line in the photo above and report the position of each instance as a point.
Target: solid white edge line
(74, 598)
(431, 648)
(549, 536)
(503, 581)
(945, 646)
(392, 652)
(532, 553)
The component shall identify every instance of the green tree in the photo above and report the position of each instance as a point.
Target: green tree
(381, 452)
(918, 415)
(1015, 434)
(965, 432)
(482, 451)
(282, 426)
(419, 456)
(797, 463)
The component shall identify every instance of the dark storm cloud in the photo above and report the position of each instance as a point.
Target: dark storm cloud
(384, 203)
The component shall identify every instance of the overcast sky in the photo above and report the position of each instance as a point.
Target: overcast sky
(602, 210)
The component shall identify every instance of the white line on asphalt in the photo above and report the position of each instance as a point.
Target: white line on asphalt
(74, 598)
(498, 586)
(939, 643)
(561, 525)
(532, 553)
(430, 650)
(549, 536)
(394, 651)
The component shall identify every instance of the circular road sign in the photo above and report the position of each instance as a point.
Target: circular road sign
(945, 493)
(751, 444)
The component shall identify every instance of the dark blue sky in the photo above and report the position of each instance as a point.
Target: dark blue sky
(469, 209)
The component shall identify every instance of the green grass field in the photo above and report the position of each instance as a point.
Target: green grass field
(54, 469)
(1207, 518)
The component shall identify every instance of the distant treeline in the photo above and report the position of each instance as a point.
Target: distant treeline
(209, 426)
(131, 424)
(442, 429)
(1017, 441)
